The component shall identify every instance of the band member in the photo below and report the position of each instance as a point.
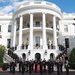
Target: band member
(13, 66)
(67, 66)
(41, 64)
(30, 69)
(27, 63)
(10, 67)
(20, 64)
(49, 66)
(32, 64)
(49, 44)
(36, 63)
(61, 64)
(23, 67)
(58, 67)
(44, 65)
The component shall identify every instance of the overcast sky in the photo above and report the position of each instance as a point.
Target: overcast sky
(8, 6)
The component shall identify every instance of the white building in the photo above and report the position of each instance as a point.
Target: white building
(37, 23)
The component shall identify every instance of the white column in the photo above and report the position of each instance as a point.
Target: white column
(54, 32)
(20, 32)
(44, 31)
(31, 32)
(14, 34)
(60, 32)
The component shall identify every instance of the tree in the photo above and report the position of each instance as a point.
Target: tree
(2, 51)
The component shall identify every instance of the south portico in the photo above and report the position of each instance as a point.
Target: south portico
(33, 29)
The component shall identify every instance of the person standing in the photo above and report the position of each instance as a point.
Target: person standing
(44, 65)
(41, 64)
(58, 67)
(30, 69)
(20, 64)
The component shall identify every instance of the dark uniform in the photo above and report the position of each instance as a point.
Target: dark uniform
(30, 69)
(27, 63)
(36, 63)
(41, 64)
(67, 66)
(44, 65)
(20, 64)
(49, 66)
(58, 67)
(32, 64)
(23, 67)
(13, 67)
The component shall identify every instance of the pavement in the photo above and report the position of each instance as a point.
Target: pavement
(33, 73)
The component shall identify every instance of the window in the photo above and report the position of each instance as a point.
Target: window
(9, 28)
(8, 43)
(0, 28)
(37, 24)
(66, 28)
(67, 42)
(37, 40)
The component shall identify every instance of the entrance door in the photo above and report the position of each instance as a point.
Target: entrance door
(52, 56)
(37, 40)
(38, 56)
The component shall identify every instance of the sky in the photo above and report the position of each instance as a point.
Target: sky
(8, 6)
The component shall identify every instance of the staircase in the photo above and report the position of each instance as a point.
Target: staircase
(7, 58)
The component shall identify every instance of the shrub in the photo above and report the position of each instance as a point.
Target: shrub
(72, 56)
(2, 51)
(72, 59)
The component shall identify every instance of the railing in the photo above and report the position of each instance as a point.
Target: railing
(40, 25)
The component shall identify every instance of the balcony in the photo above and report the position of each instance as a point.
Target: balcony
(49, 27)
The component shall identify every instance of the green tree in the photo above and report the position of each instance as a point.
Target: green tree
(2, 51)
(72, 56)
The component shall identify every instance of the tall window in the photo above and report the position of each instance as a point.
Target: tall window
(37, 23)
(0, 28)
(9, 28)
(66, 28)
(37, 39)
(8, 43)
(67, 42)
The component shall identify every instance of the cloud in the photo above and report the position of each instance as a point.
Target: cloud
(10, 5)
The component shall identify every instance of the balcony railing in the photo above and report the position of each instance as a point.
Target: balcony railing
(40, 25)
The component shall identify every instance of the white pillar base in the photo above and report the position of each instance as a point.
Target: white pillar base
(45, 47)
(30, 47)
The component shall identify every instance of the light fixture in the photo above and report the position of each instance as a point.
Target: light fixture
(29, 52)
(45, 52)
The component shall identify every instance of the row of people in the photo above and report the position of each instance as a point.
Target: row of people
(41, 66)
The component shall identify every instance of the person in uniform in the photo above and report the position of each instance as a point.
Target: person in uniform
(13, 66)
(30, 69)
(61, 63)
(41, 64)
(67, 66)
(49, 66)
(27, 43)
(36, 63)
(49, 44)
(32, 64)
(20, 64)
(44, 65)
(23, 67)
(58, 66)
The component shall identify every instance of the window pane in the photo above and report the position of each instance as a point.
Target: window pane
(67, 42)
(37, 23)
(8, 43)
(9, 28)
(0, 28)
(66, 28)
(37, 40)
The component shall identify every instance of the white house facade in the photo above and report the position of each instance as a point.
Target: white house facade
(37, 28)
